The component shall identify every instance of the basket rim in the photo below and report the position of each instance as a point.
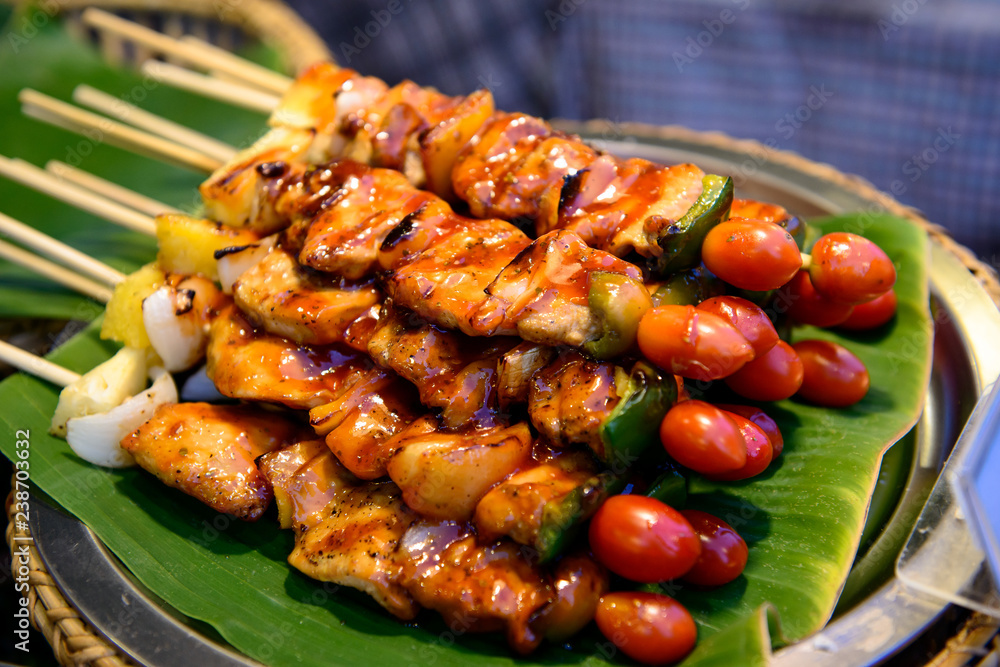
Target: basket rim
(273, 22)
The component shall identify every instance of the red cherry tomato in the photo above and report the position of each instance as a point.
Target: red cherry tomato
(702, 437)
(808, 306)
(850, 269)
(642, 539)
(832, 376)
(772, 377)
(765, 423)
(751, 254)
(871, 314)
(650, 628)
(747, 317)
(723, 551)
(692, 343)
(758, 448)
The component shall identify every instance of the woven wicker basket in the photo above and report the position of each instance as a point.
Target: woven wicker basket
(225, 22)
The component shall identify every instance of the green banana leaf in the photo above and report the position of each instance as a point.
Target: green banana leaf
(802, 519)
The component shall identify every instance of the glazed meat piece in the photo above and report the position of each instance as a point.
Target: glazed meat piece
(444, 474)
(251, 365)
(481, 168)
(445, 283)
(413, 129)
(515, 369)
(300, 482)
(756, 210)
(516, 507)
(642, 201)
(452, 371)
(532, 183)
(344, 237)
(359, 424)
(286, 299)
(476, 588)
(356, 543)
(570, 398)
(544, 294)
(208, 451)
(232, 192)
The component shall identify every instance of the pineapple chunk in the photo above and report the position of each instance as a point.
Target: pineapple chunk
(123, 316)
(188, 245)
(102, 388)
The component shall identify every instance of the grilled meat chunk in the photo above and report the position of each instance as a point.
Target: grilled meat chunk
(286, 299)
(358, 425)
(356, 544)
(569, 399)
(247, 364)
(443, 475)
(452, 371)
(208, 451)
(475, 588)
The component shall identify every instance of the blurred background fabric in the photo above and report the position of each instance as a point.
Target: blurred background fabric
(905, 93)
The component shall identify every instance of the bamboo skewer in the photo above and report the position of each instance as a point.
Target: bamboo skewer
(187, 51)
(252, 74)
(43, 181)
(53, 271)
(211, 87)
(29, 363)
(59, 251)
(133, 115)
(75, 119)
(112, 191)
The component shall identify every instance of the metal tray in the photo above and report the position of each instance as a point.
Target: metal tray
(966, 359)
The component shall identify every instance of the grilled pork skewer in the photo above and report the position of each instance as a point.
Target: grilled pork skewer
(509, 166)
(482, 277)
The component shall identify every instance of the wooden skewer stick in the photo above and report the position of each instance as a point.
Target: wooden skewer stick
(103, 129)
(112, 191)
(36, 366)
(187, 52)
(59, 251)
(207, 86)
(250, 73)
(133, 115)
(43, 181)
(55, 272)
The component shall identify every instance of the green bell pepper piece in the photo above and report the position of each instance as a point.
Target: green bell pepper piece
(688, 288)
(681, 241)
(620, 302)
(563, 517)
(634, 424)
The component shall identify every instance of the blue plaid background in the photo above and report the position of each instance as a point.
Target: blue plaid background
(905, 93)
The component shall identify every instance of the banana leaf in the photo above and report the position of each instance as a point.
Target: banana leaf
(802, 519)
